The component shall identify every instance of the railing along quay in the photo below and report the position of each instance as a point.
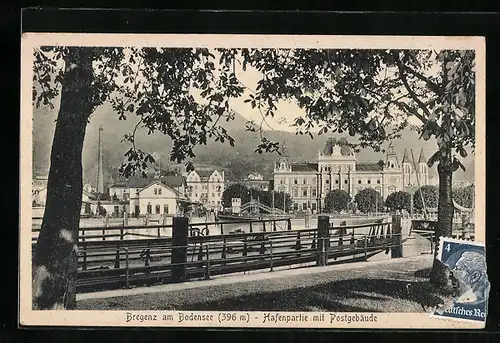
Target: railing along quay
(188, 254)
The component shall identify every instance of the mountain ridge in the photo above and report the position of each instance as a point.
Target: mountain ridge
(241, 156)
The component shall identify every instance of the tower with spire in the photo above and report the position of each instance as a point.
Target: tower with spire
(423, 169)
(283, 162)
(406, 165)
(391, 159)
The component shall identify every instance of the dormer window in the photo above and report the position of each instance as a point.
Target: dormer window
(282, 166)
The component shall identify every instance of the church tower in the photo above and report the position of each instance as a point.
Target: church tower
(406, 164)
(283, 162)
(423, 169)
(391, 159)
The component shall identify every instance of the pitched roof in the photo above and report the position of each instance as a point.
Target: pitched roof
(368, 166)
(177, 193)
(304, 167)
(118, 184)
(139, 181)
(173, 180)
(421, 158)
(204, 173)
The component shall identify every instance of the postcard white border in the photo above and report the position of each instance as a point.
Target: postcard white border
(116, 318)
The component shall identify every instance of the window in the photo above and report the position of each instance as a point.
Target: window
(196, 195)
(296, 206)
(295, 192)
(305, 181)
(369, 181)
(213, 195)
(156, 191)
(282, 181)
(165, 209)
(304, 206)
(304, 192)
(159, 190)
(149, 208)
(295, 181)
(345, 181)
(359, 182)
(282, 166)
(313, 191)
(157, 209)
(327, 182)
(313, 206)
(378, 182)
(337, 182)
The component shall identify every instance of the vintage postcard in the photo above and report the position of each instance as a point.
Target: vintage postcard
(253, 181)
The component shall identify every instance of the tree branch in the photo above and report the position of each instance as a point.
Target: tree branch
(431, 85)
(412, 93)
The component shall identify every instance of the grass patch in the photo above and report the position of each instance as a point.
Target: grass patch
(395, 287)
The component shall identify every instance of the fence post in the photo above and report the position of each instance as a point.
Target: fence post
(271, 253)
(323, 232)
(464, 225)
(148, 252)
(298, 246)
(207, 266)
(365, 246)
(341, 232)
(396, 241)
(289, 224)
(127, 272)
(264, 226)
(179, 248)
(251, 229)
(117, 258)
(125, 218)
(224, 251)
(147, 219)
(274, 225)
(84, 267)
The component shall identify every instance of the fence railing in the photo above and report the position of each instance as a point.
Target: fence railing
(117, 263)
(105, 233)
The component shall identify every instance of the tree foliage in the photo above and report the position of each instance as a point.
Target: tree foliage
(337, 200)
(430, 194)
(464, 196)
(235, 190)
(369, 200)
(184, 93)
(399, 201)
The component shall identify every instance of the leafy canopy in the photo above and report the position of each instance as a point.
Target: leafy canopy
(337, 200)
(184, 93)
(369, 200)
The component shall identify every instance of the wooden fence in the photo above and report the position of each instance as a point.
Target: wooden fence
(112, 261)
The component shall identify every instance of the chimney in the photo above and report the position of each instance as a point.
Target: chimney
(100, 169)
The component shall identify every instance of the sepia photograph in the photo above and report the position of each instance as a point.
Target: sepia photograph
(232, 180)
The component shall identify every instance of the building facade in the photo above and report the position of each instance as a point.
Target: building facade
(255, 180)
(205, 187)
(337, 168)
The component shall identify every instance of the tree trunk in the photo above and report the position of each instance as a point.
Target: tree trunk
(54, 263)
(439, 274)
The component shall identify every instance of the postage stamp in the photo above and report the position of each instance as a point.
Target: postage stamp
(467, 265)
